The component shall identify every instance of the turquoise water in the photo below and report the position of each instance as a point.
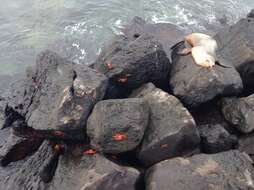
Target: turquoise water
(77, 29)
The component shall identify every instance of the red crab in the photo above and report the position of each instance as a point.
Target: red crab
(89, 152)
(123, 79)
(119, 137)
(109, 65)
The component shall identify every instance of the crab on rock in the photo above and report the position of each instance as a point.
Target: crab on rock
(53, 103)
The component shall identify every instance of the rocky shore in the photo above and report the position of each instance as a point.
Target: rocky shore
(139, 118)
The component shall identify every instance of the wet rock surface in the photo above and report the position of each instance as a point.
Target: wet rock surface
(239, 112)
(230, 170)
(58, 93)
(171, 131)
(117, 126)
(236, 44)
(215, 139)
(93, 173)
(195, 85)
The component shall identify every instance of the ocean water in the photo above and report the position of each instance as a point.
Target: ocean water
(77, 29)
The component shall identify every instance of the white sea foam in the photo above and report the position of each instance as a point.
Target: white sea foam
(83, 27)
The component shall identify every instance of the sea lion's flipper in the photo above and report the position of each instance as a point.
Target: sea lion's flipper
(177, 45)
(48, 169)
(222, 65)
(20, 150)
(184, 51)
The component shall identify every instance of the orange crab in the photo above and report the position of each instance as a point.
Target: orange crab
(119, 137)
(90, 152)
(58, 133)
(123, 79)
(164, 145)
(109, 65)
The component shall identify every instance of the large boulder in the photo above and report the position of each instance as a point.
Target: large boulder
(58, 94)
(239, 112)
(195, 85)
(214, 139)
(117, 126)
(93, 173)
(236, 44)
(122, 60)
(224, 171)
(171, 131)
(129, 64)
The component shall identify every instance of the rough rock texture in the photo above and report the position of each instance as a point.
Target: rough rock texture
(224, 171)
(4, 135)
(236, 44)
(246, 144)
(10, 102)
(58, 93)
(214, 139)
(209, 114)
(7, 92)
(194, 84)
(93, 173)
(167, 34)
(121, 56)
(171, 131)
(16, 148)
(24, 175)
(112, 118)
(239, 112)
(132, 63)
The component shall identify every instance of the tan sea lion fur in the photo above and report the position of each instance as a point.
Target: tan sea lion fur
(203, 49)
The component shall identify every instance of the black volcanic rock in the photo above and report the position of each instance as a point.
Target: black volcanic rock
(239, 112)
(117, 126)
(246, 144)
(195, 85)
(171, 131)
(236, 44)
(24, 175)
(138, 55)
(251, 14)
(130, 64)
(215, 139)
(58, 94)
(93, 173)
(230, 170)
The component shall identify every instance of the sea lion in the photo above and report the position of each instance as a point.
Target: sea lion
(203, 49)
